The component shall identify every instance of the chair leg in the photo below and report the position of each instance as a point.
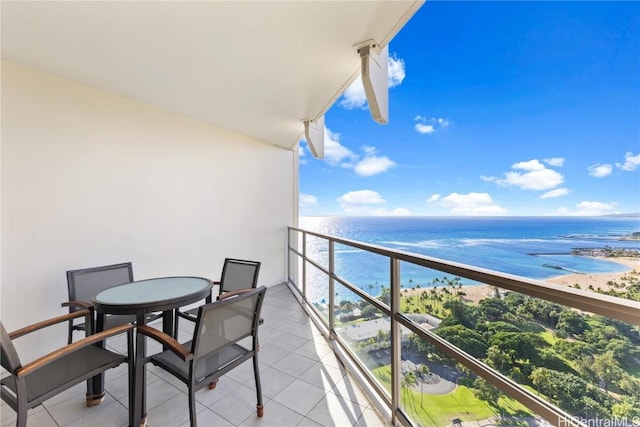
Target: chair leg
(192, 408)
(256, 373)
(213, 384)
(176, 317)
(70, 338)
(95, 399)
(22, 416)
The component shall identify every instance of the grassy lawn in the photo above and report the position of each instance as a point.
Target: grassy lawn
(415, 305)
(439, 410)
(549, 337)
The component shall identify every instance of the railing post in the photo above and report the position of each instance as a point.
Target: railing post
(332, 290)
(304, 265)
(396, 338)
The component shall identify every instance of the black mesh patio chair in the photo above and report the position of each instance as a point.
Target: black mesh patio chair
(216, 346)
(85, 283)
(28, 385)
(237, 274)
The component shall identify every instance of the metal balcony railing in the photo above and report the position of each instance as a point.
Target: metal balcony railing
(321, 265)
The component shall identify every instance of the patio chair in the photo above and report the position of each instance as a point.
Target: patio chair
(28, 385)
(237, 274)
(216, 347)
(85, 283)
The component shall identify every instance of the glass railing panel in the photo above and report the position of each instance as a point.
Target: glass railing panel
(318, 250)
(366, 331)
(437, 391)
(318, 290)
(295, 239)
(295, 270)
(587, 365)
(366, 270)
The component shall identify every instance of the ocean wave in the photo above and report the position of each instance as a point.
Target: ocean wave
(348, 251)
(418, 244)
(480, 242)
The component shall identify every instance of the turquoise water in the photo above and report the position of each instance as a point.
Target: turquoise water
(504, 244)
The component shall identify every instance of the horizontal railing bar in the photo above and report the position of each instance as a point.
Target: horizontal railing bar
(369, 298)
(318, 320)
(353, 288)
(294, 250)
(505, 384)
(364, 370)
(605, 305)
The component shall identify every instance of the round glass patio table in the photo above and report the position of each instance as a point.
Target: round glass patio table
(145, 296)
(141, 297)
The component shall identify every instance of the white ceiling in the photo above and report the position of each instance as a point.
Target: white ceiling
(258, 67)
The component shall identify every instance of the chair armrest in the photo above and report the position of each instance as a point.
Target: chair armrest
(233, 293)
(31, 367)
(166, 340)
(49, 322)
(77, 304)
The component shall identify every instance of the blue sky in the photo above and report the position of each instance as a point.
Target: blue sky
(495, 108)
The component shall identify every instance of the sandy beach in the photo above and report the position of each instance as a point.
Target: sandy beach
(477, 293)
(598, 280)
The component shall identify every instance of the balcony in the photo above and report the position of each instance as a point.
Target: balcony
(322, 365)
(520, 370)
(303, 384)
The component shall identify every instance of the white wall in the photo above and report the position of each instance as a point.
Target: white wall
(90, 178)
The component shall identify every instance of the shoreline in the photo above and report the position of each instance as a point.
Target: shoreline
(598, 280)
(475, 293)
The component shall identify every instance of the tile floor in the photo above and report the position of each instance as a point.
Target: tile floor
(303, 384)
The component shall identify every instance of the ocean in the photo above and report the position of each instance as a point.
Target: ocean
(533, 247)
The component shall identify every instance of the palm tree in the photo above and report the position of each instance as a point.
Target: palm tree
(541, 376)
(408, 380)
(497, 358)
(381, 335)
(424, 371)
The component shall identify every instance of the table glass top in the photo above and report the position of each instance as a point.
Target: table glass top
(152, 290)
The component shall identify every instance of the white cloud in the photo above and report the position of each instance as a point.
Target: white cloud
(396, 71)
(587, 208)
(443, 122)
(302, 155)
(366, 202)
(600, 171)
(631, 162)
(530, 165)
(488, 178)
(422, 128)
(558, 192)
(428, 126)
(368, 197)
(555, 161)
(334, 152)
(468, 204)
(536, 176)
(355, 97)
(373, 165)
(307, 200)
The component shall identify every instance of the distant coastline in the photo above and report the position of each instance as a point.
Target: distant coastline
(599, 280)
(587, 281)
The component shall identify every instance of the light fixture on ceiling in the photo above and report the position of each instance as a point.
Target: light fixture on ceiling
(374, 68)
(314, 134)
